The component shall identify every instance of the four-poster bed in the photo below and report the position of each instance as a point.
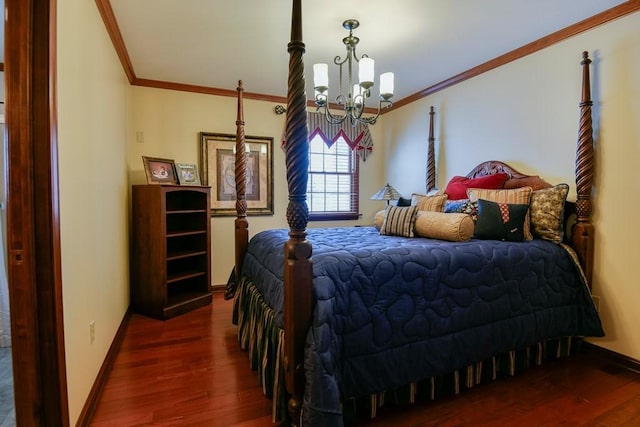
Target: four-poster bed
(314, 325)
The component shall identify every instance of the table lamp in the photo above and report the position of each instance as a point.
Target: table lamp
(387, 192)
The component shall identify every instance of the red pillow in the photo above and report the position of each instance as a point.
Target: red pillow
(534, 182)
(457, 187)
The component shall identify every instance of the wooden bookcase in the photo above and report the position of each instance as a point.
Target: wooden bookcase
(170, 249)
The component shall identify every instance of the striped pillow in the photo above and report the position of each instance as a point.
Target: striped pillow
(433, 203)
(399, 221)
(517, 196)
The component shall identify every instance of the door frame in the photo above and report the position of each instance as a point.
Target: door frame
(33, 216)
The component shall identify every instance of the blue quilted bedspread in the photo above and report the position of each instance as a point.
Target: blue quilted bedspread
(392, 310)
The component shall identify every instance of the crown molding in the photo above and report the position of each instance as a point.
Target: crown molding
(623, 9)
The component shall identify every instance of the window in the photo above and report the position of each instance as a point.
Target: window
(332, 187)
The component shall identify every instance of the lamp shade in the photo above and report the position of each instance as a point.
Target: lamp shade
(386, 85)
(321, 76)
(365, 72)
(386, 193)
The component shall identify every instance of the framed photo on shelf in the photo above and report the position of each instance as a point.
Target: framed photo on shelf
(217, 163)
(188, 174)
(160, 171)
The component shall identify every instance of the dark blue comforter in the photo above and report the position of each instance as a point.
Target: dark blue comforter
(392, 310)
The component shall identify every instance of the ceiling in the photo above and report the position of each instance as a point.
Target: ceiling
(214, 43)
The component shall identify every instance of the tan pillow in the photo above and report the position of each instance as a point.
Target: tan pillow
(455, 227)
(378, 219)
(429, 203)
(520, 196)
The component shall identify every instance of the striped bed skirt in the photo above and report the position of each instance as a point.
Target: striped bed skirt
(263, 340)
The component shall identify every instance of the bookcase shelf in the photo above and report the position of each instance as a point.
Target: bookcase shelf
(170, 249)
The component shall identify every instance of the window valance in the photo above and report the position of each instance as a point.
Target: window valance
(357, 137)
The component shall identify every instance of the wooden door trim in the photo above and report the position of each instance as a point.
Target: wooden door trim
(33, 226)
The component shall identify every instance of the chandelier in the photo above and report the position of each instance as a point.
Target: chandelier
(354, 96)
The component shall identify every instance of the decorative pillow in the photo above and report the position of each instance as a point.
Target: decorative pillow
(378, 219)
(500, 221)
(547, 212)
(520, 196)
(403, 202)
(464, 206)
(458, 185)
(535, 182)
(399, 221)
(455, 227)
(433, 203)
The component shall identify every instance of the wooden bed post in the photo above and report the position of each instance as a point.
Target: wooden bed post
(582, 232)
(431, 156)
(241, 223)
(298, 272)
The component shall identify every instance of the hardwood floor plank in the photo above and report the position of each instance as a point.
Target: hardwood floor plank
(190, 371)
(624, 414)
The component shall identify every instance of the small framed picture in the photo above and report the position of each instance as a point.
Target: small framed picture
(160, 171)
(187, 174)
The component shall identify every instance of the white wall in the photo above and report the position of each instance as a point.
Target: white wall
(93, 181)
(526, 113)
(171, 122)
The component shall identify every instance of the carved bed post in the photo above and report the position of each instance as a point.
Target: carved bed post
(241, 223)
(298, 273)
(431, 157)
(582, 232)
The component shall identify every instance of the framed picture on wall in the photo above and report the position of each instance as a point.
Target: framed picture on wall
(160, 171)
(217, 163)
(188, 174)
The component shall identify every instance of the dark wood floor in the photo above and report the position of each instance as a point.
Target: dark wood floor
(189, 371)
